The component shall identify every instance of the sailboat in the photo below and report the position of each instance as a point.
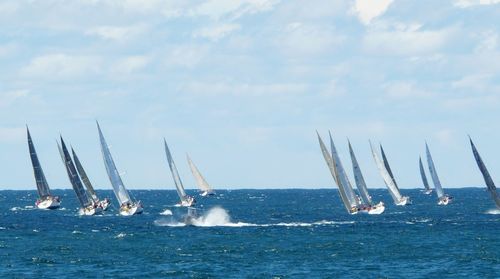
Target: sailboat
(361, 185)
(186, 200)
(127, 206)
(443, 199)
(87, 207)
(45, 199)
(486, 175)
(205, 189)
(102, 204)
(428, 189)
(390, 182)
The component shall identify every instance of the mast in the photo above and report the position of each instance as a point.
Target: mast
(333, 171)
(114, 177)
(358, 177)
(175, 174)
(200, 180)
(84, 177)
(343, 179)
(434, 176)
(422, 174)
(486, 175)
(388, 179)
(73, 176)
(41, 182)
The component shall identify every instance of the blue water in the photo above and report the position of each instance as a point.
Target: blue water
(270, 234)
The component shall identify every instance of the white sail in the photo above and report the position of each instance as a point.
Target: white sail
(358, 177)
(342, 177)
(486, 175)
(175, 174)
(422, 174)
(434, 176)
(389, 182)
(200, 180)
(114, 177)
(331, 167)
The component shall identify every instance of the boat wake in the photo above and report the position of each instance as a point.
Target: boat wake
(493, 211)
(166, 212)
(17, 208)
(218, 217)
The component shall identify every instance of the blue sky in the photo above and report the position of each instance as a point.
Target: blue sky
(242, 85)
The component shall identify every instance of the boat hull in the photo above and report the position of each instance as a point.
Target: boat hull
(404, 201)
(48, 203)
(88, 211)
(187, 202)
(445, 200)
(377, 209)
(207, 193)
(104, 204)
(132, 209)
(428, 192)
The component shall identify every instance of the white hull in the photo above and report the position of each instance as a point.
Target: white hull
(377, 209)
(188, 202)
(49, 203)
(104, 204)
(428, 192)
(133, 209)
(404, 201)
(207, 193)
(444, 200)
(88, 211)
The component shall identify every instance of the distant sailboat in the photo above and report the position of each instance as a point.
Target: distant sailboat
(389, 180)
(200, 180)
(442, 198)
(361, 185)
(87, 207)
(186, 200)
(127, 205)
(102, 204)
(428, 189)
(486, 175)
(45, 199)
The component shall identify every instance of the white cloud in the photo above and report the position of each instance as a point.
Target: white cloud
(57, 66)
(367, 10)
(245, 89)
(10, 97)
(444, 136)
(405, 90)
(233, 9)
(187, 56)
(216, 32)
(488, 41)
(130, 64)
(12, 135)
(307, 39)
(411, 41)
(117, 33)
(470, 3)
(7, 49)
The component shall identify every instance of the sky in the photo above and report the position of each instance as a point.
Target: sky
(243, 85)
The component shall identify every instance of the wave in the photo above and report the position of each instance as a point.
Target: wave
(166, 212)
(17, 208)
(493, 211)
(218, 217)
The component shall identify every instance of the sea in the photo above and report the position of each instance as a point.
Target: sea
(288, 233)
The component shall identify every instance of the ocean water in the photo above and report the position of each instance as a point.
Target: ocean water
(253, 234)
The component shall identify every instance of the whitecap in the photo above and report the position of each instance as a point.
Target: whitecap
(95, 230)
(493, 211)
(166, 212)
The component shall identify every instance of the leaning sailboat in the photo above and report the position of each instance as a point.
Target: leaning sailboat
(443, 199)
(205, 189)
(362, 188)
(87, 207)
(486, 175)
(390, 182)
(45, 199)
(102, 204)
(128, 207)
(186, 200)
(428, 189)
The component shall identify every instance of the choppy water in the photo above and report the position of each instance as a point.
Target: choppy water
(254, 234)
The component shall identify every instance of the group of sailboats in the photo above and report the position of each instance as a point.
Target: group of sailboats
(353, 203)
(443, 199)
(90, 203)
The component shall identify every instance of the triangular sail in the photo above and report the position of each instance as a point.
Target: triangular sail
(486, 175)
(175, 174)
(114, 177)
(387, 167)
(422, 174)
(358, 177)
(388, 179)
(73, 176)
(434, 176)
(200, 180)
(331, 167)
(342, 176)
(84, 177)
(41, 183)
